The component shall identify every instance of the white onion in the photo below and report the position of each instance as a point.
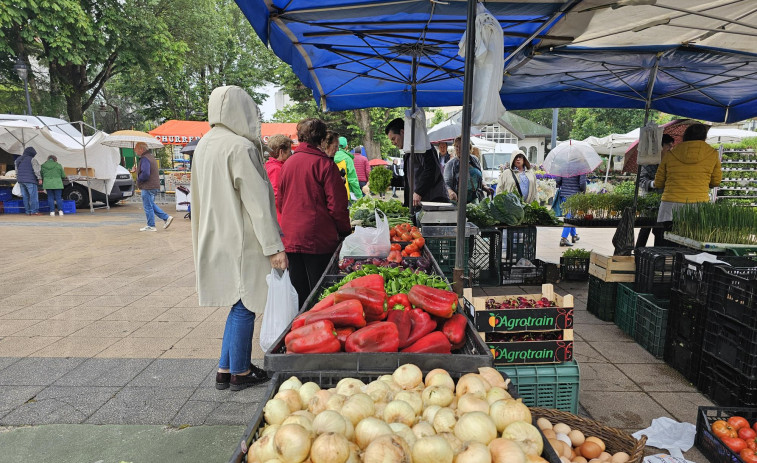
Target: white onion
(429, 413)
(275, 411)
(329, 421)
(349, 386)
(379, 409)
(477, 427)
(330, 448)
(270, 429)
(432, 449)
(437, 395)
(335, 402)
(408, 376)
(357, 407)
(319, 401)
(528, 437)
(493, 377)
(264, 448)
(307, 391)
(472, 383)
(292, 443)
(413, 398)
(474, 452)
(453, 441)
(387, 449)
(387, 378)
(506, 451)
(305, 413)
(439, 377)
(369, 429)
(471, 403)
(444, 420)
(378, 390)
(303, 421)
(354, 453)
(399, 411)
(507, 411)
(423, 429)
(405, 432)
(291, 397)
(497, 393)
(292, 383)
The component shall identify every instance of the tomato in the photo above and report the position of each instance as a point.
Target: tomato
(734, 443)
(722, 429)
(415, 254)
(738, 422)
(406, 236)
(392, 232)
(414, 229)
(403, 227)
(747, 433)
(411, 248)
(396, 238)
(751, 444)
(416, 234)
(748, 455)
(396, 247)
(754, 426)
(419, 242)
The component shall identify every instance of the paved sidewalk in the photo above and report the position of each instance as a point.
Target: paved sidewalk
(101, 334)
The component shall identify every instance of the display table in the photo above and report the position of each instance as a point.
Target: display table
(737, 249)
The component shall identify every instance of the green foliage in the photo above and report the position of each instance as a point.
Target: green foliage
(610, 205)
(505, 209)
(745, 144)
(716, 223)
(600, 122)
(577, 253)
(534, 214)
(625, 188)
(366, 203)
(544, 117)
(379, 179)
(439, 116)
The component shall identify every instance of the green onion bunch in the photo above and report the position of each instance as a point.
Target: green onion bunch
(716, 223)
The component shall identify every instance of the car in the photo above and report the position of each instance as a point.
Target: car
(123, 188)
(494, 160)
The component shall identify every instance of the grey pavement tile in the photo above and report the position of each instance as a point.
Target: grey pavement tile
(7, 361)
(683, 405)
(115, 300)
(605, 377)
(625, 410)
(207, 392)
(142, 405)
(65, 300)
(104, 372)
(230, 413)
(695, 455)
(60, 405)
(583, 317)
(174, 373)
(584, 353)
(657, 377)
(15, 396)
(194, 413)
(622, 351)
(599, 332)
(37, 371)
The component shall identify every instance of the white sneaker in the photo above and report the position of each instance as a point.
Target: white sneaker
(168, 222)
(60, 212)
(148, 228)
(52, 214)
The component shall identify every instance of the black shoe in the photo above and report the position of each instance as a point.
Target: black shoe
(255, 376)
(575, 238)
(222, 380)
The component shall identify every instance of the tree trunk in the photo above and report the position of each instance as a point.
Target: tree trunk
(372, 147)
(74, 106)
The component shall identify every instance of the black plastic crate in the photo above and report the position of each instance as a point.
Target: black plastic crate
(734, 343)
(684, 357)
(651, 324)
(601, 299)
(532, 275)
(574, 268)
(443, 250)
(724, 385)
(518, 243)
(654, 270)
(683, 338)
(693, 279)
(711, 447)
(733, 292)
(485, 255)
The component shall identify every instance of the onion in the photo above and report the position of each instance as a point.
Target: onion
(387, 449)
(432, 449)
(270, 429)
(329, 421)
(507, 411)
(387, 378)
(319, 401)
(330, 448)
(354, 453)
(369, 429)
(292, 383)
(539, 459)
(264, 448)
(429, 413)
(506, 451)
(357, 407)
(471, 403)
(275, 411)
(477, 427)
(408, 376)
(291, 397)
(303, 421)
(527, 436)
(399, 411)
(379, 409)
(379, 391)
(440, 377)
(349, 386)
(444, 420)
(472, 384)
(335, 402)
(423, 429)
(497, 393)
(474, 452)
(349, 433)
(292, 443)
(405, 432)
(493, 377)
(453, 404)
(412, 398)
(453, 441)
(437, 395)
(305, 413)
(307, 391)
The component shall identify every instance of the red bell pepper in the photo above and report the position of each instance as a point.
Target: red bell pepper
(379, 337)
(422, 324)
(435, 301)
(433, 343)
(347, 313)
(316, 338)
(323, 304)
(401, 318)
(454, 329)
(374, 281)
(398, 302)
(374, 302)
(343, 333)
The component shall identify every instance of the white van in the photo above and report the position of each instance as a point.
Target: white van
(492, 162)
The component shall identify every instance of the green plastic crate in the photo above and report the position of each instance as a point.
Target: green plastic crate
(601, 300)
(443, 250)
(651, 323)
(548, 386)
(625, 308)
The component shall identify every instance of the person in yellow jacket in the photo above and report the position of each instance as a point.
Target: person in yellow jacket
(687, 173)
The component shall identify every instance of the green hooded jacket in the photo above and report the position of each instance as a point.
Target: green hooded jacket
(52, 175)
(347, 157)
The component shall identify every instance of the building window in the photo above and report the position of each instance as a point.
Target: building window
(532, 152)
(498, 134)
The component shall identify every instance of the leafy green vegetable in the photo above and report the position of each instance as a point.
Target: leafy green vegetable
(391, 206)
(478, 214)
(534, 214)
(577, 253)
(396, 280)
(379, 179)
(507, 209)
(716, 223)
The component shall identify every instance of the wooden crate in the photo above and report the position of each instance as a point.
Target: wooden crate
(612, 269)
(79, 171)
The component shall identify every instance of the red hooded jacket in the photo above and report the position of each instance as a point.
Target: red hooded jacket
(312, 202)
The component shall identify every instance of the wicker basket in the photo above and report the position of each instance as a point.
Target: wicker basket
(615, 439)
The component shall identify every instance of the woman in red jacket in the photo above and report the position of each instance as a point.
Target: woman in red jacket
(314, 216)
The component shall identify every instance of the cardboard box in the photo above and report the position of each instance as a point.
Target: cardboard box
(532, 352)
(524, 320)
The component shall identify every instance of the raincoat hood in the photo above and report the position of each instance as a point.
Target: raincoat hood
(29, 151)
(342, 142)
(234, 109)
(692, 152)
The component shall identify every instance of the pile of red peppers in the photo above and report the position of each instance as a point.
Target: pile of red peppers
(360, 318)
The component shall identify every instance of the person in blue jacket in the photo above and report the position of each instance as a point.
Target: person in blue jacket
(570, 186)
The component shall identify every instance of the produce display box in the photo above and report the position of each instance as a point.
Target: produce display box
(548, 386)
(601, 298)
(733, 293)
(711, 447)
(693, 279)
(530, 352)
(724, 385)
(651, 324)
(613, 269)
(333, 267)
(574, 268)
(625, 308)
(559, 317)
(443, 251)
(518, 243)
(485, 256)
(685, 331)
(69, 207)
(533, 275)
(731, 341)
(654, 270)
(15, 206)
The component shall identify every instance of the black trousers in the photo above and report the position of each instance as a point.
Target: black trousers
(659, 239)
(305, 270)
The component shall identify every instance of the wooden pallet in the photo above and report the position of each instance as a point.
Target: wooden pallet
(613, 269)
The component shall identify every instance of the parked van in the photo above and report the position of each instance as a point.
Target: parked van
(492, 161)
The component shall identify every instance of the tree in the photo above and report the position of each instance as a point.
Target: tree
(600, 122)
(544, 117)
(439, 116)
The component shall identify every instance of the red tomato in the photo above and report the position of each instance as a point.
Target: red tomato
(754, 426)
(415, 234)
(392, 232)
(747, 433)
(748, 455)
(415, 254)
(419, 242)
(396, 247)
(751, 444)
(738, 422)
(734, 443)
(722, 429)
(411, 248)
(406, 237)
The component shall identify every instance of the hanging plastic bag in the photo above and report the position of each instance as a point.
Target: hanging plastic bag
(280, 308)
(368, 241)
(422, 143)
(650, 145)
(16, 191)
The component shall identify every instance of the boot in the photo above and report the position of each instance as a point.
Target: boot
(575, 238)
(564, 242)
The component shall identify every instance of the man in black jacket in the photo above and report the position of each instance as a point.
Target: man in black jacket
(427, 175)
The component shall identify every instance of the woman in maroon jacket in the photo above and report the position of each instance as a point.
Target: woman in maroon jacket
(314, 216)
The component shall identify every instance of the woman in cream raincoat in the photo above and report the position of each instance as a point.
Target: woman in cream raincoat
(235, 236)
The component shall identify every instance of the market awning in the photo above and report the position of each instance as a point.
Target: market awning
(174, 132)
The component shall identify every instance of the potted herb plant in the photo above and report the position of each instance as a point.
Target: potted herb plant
(574, 264)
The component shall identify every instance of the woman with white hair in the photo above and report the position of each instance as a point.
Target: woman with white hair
(519, 178)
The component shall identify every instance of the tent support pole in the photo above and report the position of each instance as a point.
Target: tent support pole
(609, 161)
(86, 168)
(464, 155)
(410, 162)
(647, 108)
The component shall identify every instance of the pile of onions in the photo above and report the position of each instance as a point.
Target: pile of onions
(402, 417)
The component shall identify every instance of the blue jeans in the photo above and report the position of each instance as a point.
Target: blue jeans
(31, 197)
(236, 347)
(52, 196)
(152, 209)
(567, 230)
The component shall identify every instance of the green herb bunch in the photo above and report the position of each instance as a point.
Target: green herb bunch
(379, 179)
(716, 223)
(577, 253)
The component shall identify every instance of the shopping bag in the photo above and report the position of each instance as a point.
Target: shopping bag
(16, 191)
(280, 309)
(368, 241)
(556, 202)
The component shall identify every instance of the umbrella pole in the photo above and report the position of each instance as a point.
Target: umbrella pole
(462, 186)
(86, 169)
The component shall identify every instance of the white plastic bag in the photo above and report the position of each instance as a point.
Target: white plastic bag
(422, 143)
(650, 145)
(16, 191)
(280, 309)
(368, 241)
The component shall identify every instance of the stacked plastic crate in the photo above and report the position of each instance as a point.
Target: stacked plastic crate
(605, 273)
